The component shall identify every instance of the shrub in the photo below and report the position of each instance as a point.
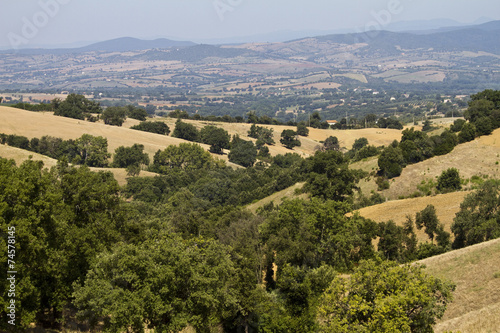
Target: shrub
(157, 127)
(449, 181)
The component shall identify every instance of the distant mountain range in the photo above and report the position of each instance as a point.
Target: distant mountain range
(482, 37)
(123, 44)
(132, 44)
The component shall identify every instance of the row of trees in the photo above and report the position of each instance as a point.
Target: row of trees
(483, 115)
(415, 146)
(79, 107)
(87, 150)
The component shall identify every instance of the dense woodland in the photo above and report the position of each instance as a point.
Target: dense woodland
(180, 249)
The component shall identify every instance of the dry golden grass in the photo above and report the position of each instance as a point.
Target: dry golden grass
(38, 124)
(476, 272)
(367, 185)
(447, 205)
(478, 157)
(375, 136)
(21, 155)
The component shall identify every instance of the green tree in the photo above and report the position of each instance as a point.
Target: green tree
(114, 115)
(457, 125)
(158, 127)
(315, 121)
(136, 113)
(444, 143)
(484, 126)
(92, 151)
(242, 152)
(384, 297)
(130, 156)
(427, 218)
(261, 133)
(366, 152)
(449, 181)
(329, 176)
(478, 109)
(331, 143)
(397, 243)
(162, 284)
(489, 95)
(264, 152)
(62, 219)
(253, 132)
(76, 106)
(302, 129)
(391, 162)
(360, 143)
(427, 126)
(216, 137)
(479, 217)
(289, 139)
(185, 131)
(311, 233)
(187, 156)
(468, 133)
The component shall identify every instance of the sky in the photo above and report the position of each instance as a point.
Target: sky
(35, 23)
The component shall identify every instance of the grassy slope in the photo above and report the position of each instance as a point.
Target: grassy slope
(375, 136)
(277, 197)
(38, 124)
(476, 272)
(447, 205)
(21, 155)
(478, 157)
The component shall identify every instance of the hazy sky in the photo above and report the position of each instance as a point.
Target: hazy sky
(53, 22)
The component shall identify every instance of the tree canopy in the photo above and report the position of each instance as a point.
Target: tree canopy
(289, 139)
(384, 297)
(114, 115)
(242, 152)
(186, 131)
(216, 137)
(76, 106)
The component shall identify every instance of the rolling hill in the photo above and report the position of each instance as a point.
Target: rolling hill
(480, 157)
(132, 44)
(21, 155)
(447, 205)
(476, 272)
(38, 124)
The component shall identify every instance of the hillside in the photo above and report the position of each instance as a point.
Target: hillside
(463, 60)
(278, 197)
(21, 155)
(447, 205)
(476, 272)
(479, 157)
(375, 136)
(38, 124)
